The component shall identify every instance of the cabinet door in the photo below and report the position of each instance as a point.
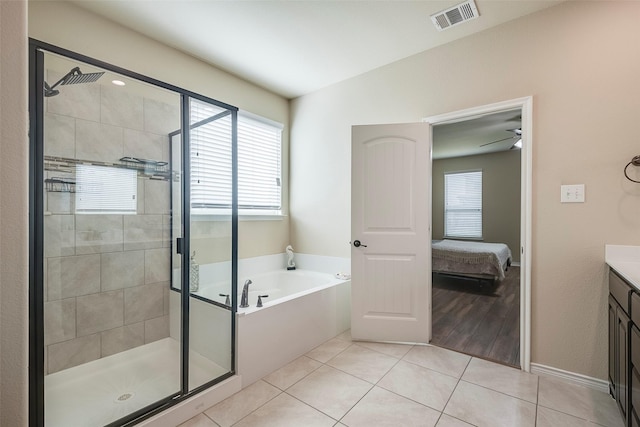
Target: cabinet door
(622, 389)
(634, 398)
(613, 356)
(634, 371)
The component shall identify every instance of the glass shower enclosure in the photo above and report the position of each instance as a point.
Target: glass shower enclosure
(118, 328)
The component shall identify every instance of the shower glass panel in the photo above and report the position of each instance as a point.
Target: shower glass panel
(111, 347)
(211, 241)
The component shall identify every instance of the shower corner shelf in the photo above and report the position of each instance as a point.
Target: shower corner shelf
(60, 185)
(153, 168)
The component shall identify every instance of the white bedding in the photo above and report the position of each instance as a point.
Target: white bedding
(464, 257)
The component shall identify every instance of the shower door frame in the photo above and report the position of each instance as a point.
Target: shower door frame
(36, 233)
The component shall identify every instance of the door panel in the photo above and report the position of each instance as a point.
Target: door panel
(382, 158)
(390, 216)
(389, 285)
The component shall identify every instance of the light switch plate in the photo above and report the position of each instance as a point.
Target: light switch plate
(572, 193)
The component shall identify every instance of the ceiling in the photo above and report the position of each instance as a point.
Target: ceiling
(296, 47)
(483, 134)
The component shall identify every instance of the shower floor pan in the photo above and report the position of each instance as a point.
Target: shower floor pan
(104, 390)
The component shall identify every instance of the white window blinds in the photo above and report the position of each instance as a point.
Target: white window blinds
(463, 204)
(259, 161)
(106, 190)
(211, 143)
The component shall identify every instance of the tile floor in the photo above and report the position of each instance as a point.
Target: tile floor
(345, 383)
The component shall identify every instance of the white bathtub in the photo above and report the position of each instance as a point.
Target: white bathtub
(305, 308)
(279, 285)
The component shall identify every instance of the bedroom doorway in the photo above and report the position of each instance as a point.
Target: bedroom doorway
(481, 190)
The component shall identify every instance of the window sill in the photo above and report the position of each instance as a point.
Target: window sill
(478, 239)
(241, 217)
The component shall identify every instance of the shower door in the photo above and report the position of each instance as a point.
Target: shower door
(116, 333)
(207, 256)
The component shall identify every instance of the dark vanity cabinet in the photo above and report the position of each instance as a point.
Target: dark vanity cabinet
(624, 347)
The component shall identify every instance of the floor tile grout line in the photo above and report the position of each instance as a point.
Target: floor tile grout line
(207, 416)
(502, 392)
(572, 415)
(456, 387)
(410, 399)
(305, 376)
(497, 391)
(312, 407)
(362, 379)
(332, 357)
(378, 351)
(431, 369)
(351, 375)
(456, 418)
(268, 400)
(355, 404)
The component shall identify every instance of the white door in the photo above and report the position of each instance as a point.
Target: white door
(391, 232)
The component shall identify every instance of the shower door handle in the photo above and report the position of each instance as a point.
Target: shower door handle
(357, 244)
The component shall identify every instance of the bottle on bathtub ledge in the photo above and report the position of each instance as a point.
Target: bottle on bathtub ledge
(290, 264)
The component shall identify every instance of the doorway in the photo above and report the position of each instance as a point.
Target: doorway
(475, 313)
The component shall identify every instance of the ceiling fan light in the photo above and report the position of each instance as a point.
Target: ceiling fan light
(518, 144)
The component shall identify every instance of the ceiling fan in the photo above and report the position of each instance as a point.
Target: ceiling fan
(517, 136)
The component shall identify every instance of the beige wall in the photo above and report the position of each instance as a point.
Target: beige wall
(583, 76)
(71, 27)
(500, 195)
(14, 179)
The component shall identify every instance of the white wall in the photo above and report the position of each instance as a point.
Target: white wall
(583, 75)
(14, 179)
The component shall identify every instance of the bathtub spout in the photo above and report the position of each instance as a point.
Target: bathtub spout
(244, 300)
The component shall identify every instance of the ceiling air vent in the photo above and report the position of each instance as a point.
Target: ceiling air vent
(455, 15)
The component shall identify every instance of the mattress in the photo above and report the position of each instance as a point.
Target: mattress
(470, 258)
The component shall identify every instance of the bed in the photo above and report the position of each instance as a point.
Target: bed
(477, 260)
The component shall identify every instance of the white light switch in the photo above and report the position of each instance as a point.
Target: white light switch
(572, 193)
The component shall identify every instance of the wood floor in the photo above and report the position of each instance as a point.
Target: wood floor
(480, 322)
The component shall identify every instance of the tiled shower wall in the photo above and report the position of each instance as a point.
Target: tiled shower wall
(106, 276)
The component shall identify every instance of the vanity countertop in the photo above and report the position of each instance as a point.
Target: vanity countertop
(625, 260)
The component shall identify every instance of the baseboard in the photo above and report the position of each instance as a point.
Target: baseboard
(572, 377)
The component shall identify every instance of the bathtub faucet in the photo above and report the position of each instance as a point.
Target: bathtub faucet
(244, 300)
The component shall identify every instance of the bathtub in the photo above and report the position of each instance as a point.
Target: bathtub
(279, 285)
(304, 309)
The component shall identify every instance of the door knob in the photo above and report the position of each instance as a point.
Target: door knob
(357, 244)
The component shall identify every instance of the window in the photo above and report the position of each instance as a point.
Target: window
(259, 163)
(106, 190)
(259, 160)
(463, 204)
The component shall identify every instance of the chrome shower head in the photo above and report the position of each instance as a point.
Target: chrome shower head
(75, 76)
